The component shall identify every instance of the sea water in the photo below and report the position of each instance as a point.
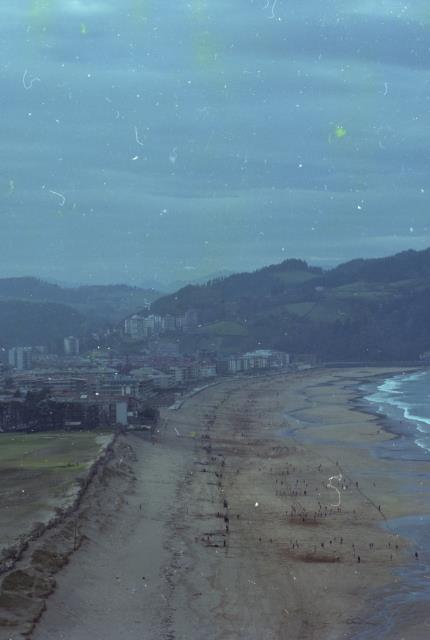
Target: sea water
(406, 397)
(405, 401)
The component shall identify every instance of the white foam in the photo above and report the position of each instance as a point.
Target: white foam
(423, 444)
(390, 393)
(385, 390)
(385, 398)
(415, 376)
(410, 416)
(394, 385)
(389, 386)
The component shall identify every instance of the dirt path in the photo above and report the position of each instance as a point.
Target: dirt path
(117, 584)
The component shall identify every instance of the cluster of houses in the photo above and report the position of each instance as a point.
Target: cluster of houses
(66, 411)
(23, 358)
(75, 398)
(104, 387)
(140, 326)
(112, 391)
(259, 359)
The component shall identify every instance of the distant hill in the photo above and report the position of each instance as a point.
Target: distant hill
(105, 303)
(402, 266)
(180, 284)
(376, 309)
(166, 287)
(34, 323)
(238, 295)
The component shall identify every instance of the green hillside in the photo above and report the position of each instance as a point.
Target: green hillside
(34, 323)
(375, 309)
(105, 303)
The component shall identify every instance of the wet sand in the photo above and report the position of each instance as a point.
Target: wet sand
(225, 528)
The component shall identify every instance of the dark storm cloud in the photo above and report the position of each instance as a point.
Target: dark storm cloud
(381, 40)
(202, 135)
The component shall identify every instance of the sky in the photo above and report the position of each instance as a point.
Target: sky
(152, 140)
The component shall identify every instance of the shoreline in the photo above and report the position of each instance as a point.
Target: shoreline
(409, 575)
(228, 528)
(398, 427)
(393, 605)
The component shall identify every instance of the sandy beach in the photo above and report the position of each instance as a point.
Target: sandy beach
(255, 514)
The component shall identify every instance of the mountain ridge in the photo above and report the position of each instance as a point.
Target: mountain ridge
(107, 303)
(376, 308)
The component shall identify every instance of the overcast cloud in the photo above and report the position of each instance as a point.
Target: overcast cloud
(146, 139)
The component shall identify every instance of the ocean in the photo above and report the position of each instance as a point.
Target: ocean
(405, 401)
(405, 398)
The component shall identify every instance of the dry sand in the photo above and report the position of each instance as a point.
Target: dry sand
(225, 528)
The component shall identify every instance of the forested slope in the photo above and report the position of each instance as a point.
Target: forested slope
(375, 309)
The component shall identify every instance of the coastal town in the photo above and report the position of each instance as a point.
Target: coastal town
(215, 320)
(118, 383)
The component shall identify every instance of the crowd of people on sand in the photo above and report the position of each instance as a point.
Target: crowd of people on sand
(285, 486)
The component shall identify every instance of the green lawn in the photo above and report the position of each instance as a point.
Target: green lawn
(295, 277)
(300, 308)
(360, 290)
(225, 328)
(39, 471)
(50, 451)
(322, 311)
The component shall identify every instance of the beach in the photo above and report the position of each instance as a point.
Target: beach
(259, 511)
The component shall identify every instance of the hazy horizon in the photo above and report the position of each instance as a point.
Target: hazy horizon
(152, 141)
(171, 285)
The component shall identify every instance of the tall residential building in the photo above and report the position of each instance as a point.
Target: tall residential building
(169, 322)
(71, 346)
(154, 323)
(134, 326)
(191, 319)
(138, 326)
(21, 358)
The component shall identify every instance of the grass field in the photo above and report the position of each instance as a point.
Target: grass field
(300, 308)
(295, 277)
(225, 328)
(361, 290)
(38, 471)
